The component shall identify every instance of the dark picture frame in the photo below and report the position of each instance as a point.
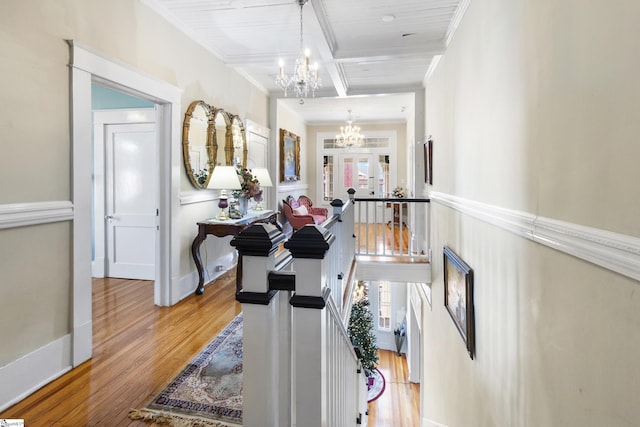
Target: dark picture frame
(289, 156)
(458, 297)
(428, 161)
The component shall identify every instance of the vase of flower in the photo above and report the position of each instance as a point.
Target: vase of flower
(243, 204)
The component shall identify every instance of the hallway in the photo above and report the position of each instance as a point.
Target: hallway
(139, 348)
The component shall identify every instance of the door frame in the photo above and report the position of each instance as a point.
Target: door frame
(87, 67)
(101, 118)
(375, 151)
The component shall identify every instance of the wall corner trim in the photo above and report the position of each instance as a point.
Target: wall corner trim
(619, 253)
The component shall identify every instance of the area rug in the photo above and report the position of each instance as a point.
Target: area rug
(376, 389)
(208, 392)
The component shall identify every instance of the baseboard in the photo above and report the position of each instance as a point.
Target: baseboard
(27, 374)
(97, 267)
(214, 269)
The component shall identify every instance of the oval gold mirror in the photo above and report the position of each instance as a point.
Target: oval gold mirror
(239, 143)
(197, 144)
(222, 136)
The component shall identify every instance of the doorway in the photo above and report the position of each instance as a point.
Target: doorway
(125, 193)
(88, 67)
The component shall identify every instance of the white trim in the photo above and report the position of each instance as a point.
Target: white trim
(189, 197)
(455, 22)
(33, 213)
(88, 66)
(617, 252)
(27, 374)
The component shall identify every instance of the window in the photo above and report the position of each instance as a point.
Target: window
(384, 306)
(327, 178)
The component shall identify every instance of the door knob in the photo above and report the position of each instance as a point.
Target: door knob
(108, 217)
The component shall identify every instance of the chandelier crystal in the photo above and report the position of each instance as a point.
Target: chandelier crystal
(349, 135)
(304, 79)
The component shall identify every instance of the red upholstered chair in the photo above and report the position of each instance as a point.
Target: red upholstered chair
(305, 201)
(297, 221)
(299, 215)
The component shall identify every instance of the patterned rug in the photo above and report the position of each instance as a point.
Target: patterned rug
(208, 392)
(376, 389)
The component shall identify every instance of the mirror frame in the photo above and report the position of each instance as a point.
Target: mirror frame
(210, 147)
(243, 136)
(228, 137)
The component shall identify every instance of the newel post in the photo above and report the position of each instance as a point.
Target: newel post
(257, 246)
(308, 246)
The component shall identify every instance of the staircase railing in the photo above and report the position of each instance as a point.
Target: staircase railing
(392, 227)
(299, 366)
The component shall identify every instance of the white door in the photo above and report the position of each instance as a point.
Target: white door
(131, 200)
(357, 171)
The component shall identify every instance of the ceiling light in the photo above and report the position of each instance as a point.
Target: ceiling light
(388, 18)
(350, 135)
(305, 77)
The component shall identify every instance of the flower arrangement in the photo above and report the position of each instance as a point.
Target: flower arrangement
(201, 175)
(250, 185)
(399, 192)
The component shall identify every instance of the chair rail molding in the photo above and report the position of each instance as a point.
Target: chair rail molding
(190, 197)
(614, 251)
(32, 213)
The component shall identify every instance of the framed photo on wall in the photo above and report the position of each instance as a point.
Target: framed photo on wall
(458, 297)
(289, 156)
(428, 161)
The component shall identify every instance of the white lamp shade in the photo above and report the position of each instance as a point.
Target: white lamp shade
(262, 175)
(224, 178)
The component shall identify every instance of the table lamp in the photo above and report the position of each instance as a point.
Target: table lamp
(262, 175)
(224, 178)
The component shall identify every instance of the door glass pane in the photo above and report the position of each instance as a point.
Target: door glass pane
(384, 312)
(383, 176)
(327, 178)
(347, 173)
(363, 173)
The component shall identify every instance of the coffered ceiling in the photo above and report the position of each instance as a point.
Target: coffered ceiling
(363, 47)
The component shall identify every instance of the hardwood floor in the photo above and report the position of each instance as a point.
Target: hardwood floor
(399, 405)
(139, 348)
(387, 239)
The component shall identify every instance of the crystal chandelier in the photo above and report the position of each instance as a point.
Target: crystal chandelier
(305, 77)
(349, 135)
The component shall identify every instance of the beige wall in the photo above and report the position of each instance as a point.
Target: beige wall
(36, 266)
(291, 121)
(532, 109)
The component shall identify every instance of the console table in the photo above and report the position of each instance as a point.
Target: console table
(231, 227)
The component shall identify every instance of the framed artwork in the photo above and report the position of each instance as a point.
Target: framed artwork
(289, 156)
(458, 297)
(428, 161)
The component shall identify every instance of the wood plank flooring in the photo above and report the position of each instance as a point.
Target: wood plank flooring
(399, 405)
(139, 348)
(382, 239)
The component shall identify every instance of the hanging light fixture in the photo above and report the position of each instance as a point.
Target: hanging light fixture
(349, 135)
(305, 77)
